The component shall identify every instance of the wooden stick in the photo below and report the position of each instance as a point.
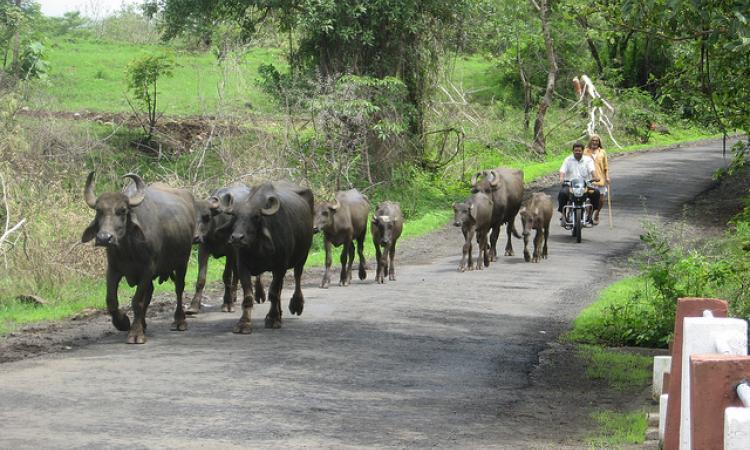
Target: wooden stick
(609, 204)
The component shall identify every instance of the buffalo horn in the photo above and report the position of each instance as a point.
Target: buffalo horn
(336, 205)
(140, 189)
(495, 178)
(213, 202)
(474, 178)
(88, 191)
(272, 206)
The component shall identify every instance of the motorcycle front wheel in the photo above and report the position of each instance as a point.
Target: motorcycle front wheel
(577, 225)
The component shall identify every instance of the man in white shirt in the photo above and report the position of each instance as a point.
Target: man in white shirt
(577, 166)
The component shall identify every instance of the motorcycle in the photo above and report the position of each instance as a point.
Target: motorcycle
(578, 210)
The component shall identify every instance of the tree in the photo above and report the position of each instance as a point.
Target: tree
(539, 142)
(142, 75)
(377, 38)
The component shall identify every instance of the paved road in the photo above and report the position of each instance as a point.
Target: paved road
(437, 358)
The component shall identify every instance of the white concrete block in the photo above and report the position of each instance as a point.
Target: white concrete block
(737, 429)
(662, 417)
(662, 364)
(702, 336)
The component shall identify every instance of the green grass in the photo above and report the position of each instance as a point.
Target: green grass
(87, 75)
(620, 370)
(618, 429)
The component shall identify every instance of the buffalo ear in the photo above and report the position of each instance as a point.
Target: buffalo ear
(374, 220)
(90, 232)
(135, 227)
(267, 241)
(473, 211)
(227, 201)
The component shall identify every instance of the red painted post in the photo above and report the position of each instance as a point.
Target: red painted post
(713, 388)
(686, 307)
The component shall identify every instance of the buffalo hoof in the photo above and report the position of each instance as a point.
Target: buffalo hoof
(380, 279)
(260, 299)
(479, 266)
(461, 269)
(325, 283)
(509, 253)
(535, 259)
(178, 326)
(362, 273)
(136, 339)
(527, 256)
(344, 283)
(392, 277)
(121, 322)
(493, 258)
(227, 307)
(243, 328)
(192, 311)
(273, 322)
(296, 305)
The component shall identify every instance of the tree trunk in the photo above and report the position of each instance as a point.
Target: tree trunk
(526, 89)
(592, 46)
(539, 143)
(16, 64)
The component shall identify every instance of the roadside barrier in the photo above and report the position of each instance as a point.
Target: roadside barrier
(705, 395)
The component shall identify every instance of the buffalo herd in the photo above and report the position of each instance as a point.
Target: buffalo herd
(148, 232)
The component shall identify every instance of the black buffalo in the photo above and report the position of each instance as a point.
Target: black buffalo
(505, 186)
(387, 224)
(213, 229)
(474, 217)
(272, 232)
(342, 222)
(148, 234)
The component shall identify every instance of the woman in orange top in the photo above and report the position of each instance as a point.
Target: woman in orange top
(595, 151)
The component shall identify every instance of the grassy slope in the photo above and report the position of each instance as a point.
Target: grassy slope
(89, 76)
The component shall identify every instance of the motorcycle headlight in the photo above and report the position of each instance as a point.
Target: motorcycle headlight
(578, 191)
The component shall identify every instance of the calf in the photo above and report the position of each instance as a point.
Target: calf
(342, 222)
(147, 232)
(474, 216)
(387, 224)
(536, 214)
(212, 231)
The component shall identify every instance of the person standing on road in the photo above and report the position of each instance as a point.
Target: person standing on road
(595, 151)
(577, 166)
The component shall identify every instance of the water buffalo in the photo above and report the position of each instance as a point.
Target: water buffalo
(387, 224)
(212, 231)
(272, 232)
(505, 186)
(147, 231)
(342, 222)
(535, 214)
(474, 216)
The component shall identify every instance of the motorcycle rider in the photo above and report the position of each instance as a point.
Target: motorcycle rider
(575, 166)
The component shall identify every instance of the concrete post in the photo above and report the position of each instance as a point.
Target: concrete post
(737, 428)
(661, 366)
(713, 384)
(662, 415)
(686, 307)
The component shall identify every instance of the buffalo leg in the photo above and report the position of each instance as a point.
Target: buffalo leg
(509, 245)
(260, 294)
(379, 257)
(329, 260)
(119, 319)
(546, 235)
(200, 283)
(136, 334)
(537, 245)
(481, 240)
(244, 325)
(466, 251)
(273, 318)
(297, 302)
(493, 242)
(347, 251)
(179, 324)
(229, 277)
(526, 254)
(391, 268)
(361, 252)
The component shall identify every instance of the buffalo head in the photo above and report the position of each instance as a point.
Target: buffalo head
(485, 181)
(464, 213)
(385, 227)
(114, 218)
(249, 228)
(324, 214)
(210, 219)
